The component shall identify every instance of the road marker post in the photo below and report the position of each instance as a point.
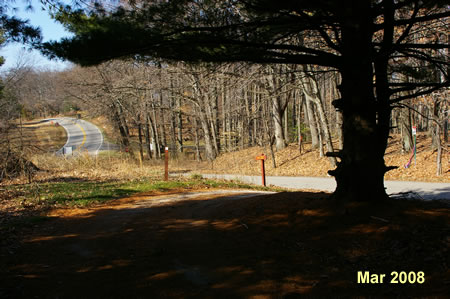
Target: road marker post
(67, 150)
(263, 169)
(166, 164)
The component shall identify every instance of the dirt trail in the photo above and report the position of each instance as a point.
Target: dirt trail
(229, 245)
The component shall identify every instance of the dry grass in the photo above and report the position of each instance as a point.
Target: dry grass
(105, 167)
(100, 168)
(19, 143)
(43, 138)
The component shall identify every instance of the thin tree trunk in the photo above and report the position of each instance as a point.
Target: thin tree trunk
(147, 136)
(336, 95)
(248, 117)
(312, 125)
(445, 126)
(439, 151)
(320, 131)
(406, 134)
(272, 153)
(437, 138)
(273, 84)
(173, 133)
(270, 139)
(286, 124)
(212, 125)
(154, 137)
(278, 124)
(197, 141)
(162, 129)
(123, 129)
(156, 133)
(180, 126)
(299, 125)
(209, 147)
(339, 129)
(310, 89)
(141, 146)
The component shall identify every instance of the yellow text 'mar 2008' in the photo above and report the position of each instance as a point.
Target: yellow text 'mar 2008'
(366, 277)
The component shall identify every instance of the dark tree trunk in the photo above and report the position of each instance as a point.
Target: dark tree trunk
(360, 174)
(123, 129)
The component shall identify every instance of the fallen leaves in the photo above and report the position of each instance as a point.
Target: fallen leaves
(290, 162)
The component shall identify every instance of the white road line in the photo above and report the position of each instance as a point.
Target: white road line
(101, 142)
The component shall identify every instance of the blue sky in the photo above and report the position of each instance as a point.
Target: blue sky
(50, 30)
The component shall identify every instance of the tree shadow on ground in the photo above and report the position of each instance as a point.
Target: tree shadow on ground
(71, 179)
(273, 246)
(290, 160)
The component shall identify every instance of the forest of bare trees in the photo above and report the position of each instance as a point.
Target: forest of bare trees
(202, 110)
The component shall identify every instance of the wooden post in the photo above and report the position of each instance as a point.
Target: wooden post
(263, 170)
(166, 164)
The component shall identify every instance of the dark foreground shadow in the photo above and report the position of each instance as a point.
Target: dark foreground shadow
(273, 246)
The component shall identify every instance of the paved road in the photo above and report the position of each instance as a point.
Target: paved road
(421, 190)
(82, 136)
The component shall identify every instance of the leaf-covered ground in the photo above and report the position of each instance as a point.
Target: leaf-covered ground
(290, 162)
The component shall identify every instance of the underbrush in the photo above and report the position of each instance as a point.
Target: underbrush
(19, 143)
(104, 167)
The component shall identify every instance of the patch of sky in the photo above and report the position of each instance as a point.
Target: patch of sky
(17, 55)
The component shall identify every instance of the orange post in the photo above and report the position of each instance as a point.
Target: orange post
(263, 169)
(166, 164)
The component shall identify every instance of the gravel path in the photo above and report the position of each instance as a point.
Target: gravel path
(420, 190)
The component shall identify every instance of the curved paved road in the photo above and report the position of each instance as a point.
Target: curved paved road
(420, 190)
(82, 136)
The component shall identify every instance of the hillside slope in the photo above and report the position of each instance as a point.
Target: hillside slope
(290, 162)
